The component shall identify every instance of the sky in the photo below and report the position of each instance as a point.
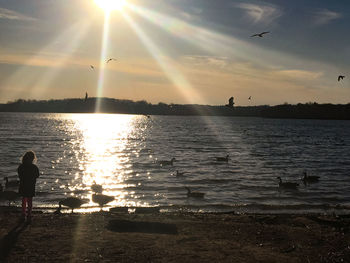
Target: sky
(176, 51)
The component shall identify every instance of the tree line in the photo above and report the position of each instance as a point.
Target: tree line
(110, 105)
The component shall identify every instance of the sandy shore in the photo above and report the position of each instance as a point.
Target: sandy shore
(174, 237)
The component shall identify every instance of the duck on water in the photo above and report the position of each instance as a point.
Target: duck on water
(287, 185)
(194, 194)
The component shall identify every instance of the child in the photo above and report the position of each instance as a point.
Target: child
(28, 173)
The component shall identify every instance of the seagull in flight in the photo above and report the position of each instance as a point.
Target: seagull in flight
(230, 103)
(260, 34)
(110, 59)
(92, 67)
(340, 77)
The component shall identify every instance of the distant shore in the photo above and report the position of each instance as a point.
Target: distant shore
(175, 237)
(110, 105)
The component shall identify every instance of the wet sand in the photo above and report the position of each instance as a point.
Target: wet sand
(174, 237)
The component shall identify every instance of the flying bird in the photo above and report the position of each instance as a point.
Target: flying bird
(92, 67)
(110, 59)
(340, 77)
(260, 34)
(230, 103)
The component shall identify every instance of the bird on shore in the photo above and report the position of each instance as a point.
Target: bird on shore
(71, 202)
(96, 188)
(9, 196)
(230, 103)
(9, 184)
(309, 179)
(171, 162)
(287, 185)
(260, 34)
(101, 199)
(222, 159)
(341, 77)
(92, 67)
(111, 59)
(194, 194)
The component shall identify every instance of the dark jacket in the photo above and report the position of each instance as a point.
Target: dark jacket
(27, 178)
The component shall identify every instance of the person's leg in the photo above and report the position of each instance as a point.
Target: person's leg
(30, 206)
(24, 205)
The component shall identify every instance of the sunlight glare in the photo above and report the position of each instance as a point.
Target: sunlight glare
(110, 5)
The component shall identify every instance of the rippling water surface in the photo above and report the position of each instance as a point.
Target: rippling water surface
(121, 152)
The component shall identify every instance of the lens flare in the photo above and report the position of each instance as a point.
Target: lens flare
(110, 5)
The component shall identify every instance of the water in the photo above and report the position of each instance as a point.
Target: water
(121, 153)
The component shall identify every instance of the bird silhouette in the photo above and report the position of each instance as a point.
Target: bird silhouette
(287, 185)
(230, 103)
(194, 194)
(96, 188)
(340, 77)
(92, 67)
(171, 162)
(260, 34)
(9, 184)
(307, 179)
(9, 196)
(102, 199)
(250, 97)
(71, 202)
(222, 159)
(111, 59)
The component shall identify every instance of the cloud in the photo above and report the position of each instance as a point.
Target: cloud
(325, 16)
(12, 15)
(265, 14)
(206, 60)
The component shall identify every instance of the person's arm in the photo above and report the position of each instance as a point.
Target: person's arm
(19, 171)
(37, 174)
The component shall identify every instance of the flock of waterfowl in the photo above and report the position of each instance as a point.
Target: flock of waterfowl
(306, 179)
(8, 194)
(101, 199)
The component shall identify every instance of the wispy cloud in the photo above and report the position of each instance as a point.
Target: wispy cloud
(265, 14)
(325, 16)
(12, 15)
(215, 61)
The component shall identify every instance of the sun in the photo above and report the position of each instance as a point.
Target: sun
(110, 5)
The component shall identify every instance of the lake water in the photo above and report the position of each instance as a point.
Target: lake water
(121, 152)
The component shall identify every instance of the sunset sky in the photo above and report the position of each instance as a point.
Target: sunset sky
(176, 51)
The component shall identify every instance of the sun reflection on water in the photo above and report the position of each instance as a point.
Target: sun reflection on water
(102, 156)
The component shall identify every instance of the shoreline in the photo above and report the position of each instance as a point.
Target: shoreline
(175, 237)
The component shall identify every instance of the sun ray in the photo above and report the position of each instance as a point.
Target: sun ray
(176, 77)
(101, 77)
(33, 85)
(179, 81)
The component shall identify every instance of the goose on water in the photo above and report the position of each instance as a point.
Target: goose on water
(194, 194)
(171, 162)
(222, 159)
(309, 179)
(179, 174)
(287, 185)
(71, 202)
(101, 199)
(9, 184)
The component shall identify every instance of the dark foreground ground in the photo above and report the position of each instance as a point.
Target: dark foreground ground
(174, 237)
